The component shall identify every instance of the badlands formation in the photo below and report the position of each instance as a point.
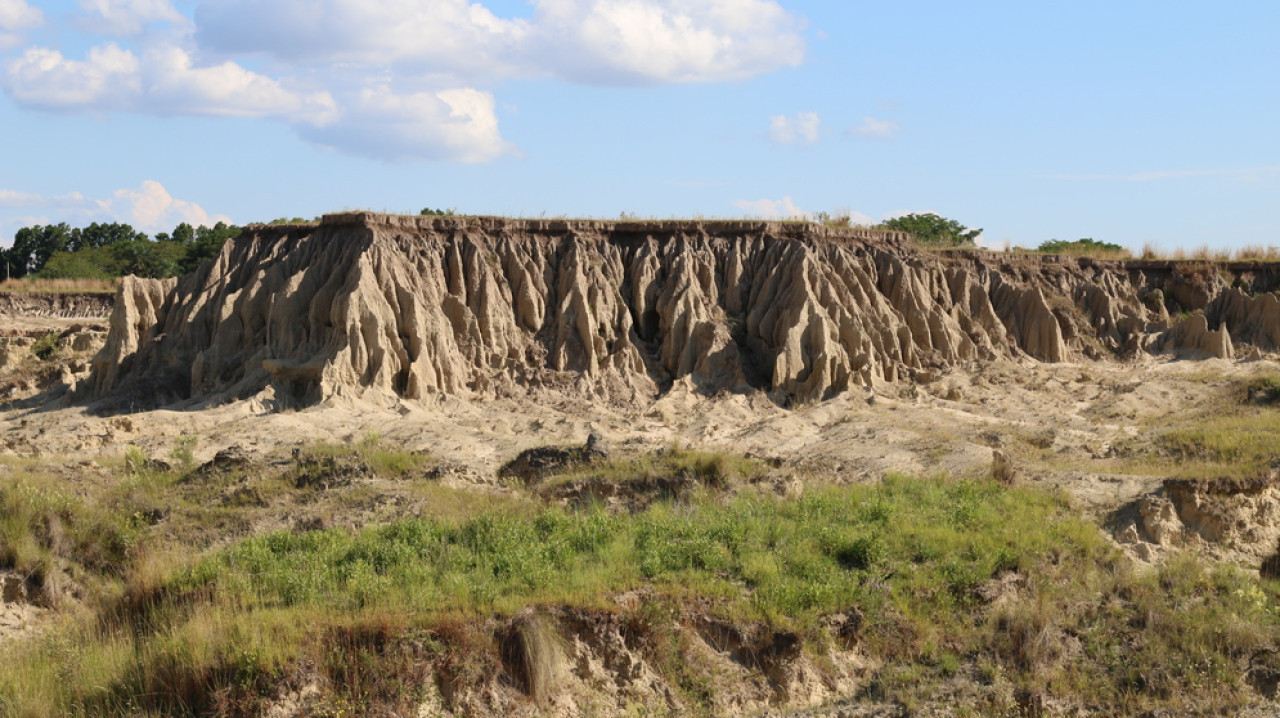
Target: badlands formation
(390, 309)
(835, 349)
(833, 353)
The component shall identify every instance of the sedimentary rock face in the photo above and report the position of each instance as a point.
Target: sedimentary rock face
(400, 308)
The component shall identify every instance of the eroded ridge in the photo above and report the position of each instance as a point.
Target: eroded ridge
(389, 308)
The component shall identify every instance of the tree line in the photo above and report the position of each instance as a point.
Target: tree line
(105, 250)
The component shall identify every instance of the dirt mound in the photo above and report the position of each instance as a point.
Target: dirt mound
(403, 308)
(533, 465)
(1236, 519)
(20, 609)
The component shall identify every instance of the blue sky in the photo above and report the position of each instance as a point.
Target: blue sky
(1127, 122)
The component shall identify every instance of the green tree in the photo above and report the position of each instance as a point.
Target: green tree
(1086, 245)
(184, 234)
(142, 258)
(33, 246)
(91, 263)
(935, 230)
(103, 235)
(207, 243)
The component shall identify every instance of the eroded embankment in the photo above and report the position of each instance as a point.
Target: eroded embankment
(56, 305)
(388, 308)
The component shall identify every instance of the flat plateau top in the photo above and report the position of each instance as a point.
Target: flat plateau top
(618, 226)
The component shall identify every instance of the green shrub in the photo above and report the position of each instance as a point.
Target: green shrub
(1084, 247)
(46, 346)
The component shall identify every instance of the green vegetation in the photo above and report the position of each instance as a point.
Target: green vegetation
(1086, 247)
(933, 230)
(293, 220)
(936, 578)
(710, 468)
(1240, 443)
(1263, 390)
(369, 454)
(46, 346)
(103, 251)
(1233, 437)
(429, 212)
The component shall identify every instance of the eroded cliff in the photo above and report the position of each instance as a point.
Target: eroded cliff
(389, 308)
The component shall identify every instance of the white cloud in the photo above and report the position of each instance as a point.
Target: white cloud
(771, 209)
(801, 129)
(626, 42)
(163, 81)
(16, 17)
(151, 208)
(856, 218)
(126, 18)
(391, 78)
(172, 84)
(982, 242)
(41, 77)
(611, 42)
(442, 35)
(872, 128)
(148, 207)
(458, 125)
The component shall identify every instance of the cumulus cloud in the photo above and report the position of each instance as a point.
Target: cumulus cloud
(173, 84)
(16, 17)
(151, 208)
(458, 125)
(148, 207)
(446, 36)
(105, 80)
(612, 42)
(802, 129)
(771, 209)
(391, 78)
(126, 18)
(624, 42)
(163, 81)
(872, 128)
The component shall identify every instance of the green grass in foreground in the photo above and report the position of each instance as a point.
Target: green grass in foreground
(1239, 442)
(379, 611)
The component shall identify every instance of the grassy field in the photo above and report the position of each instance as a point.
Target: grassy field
(967, 592)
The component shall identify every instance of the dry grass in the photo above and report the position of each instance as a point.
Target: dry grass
(1258, 253)
(1204, 253)
(59, 286)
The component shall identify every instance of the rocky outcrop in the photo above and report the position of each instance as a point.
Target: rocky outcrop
(135, 318)
(389, 309)
(1253, 319)
(1229, 518)
(1192, 339)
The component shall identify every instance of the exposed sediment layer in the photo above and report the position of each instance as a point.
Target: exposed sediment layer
(392, 308)
(59, 305)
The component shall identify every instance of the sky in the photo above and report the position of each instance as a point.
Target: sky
(1137, 122)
